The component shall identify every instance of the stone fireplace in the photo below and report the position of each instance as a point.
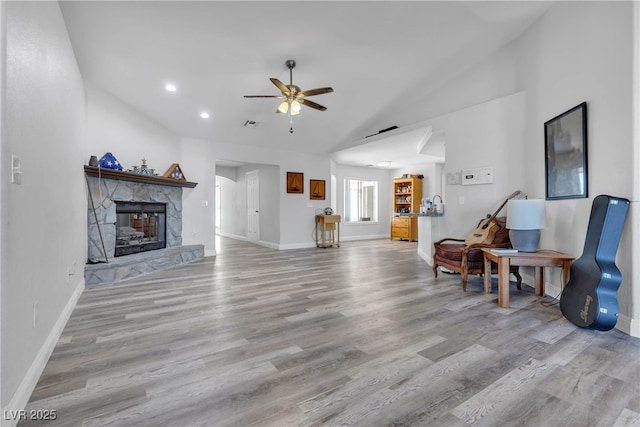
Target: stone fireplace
(134, 225)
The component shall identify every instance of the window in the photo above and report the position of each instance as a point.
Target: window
(360, 200)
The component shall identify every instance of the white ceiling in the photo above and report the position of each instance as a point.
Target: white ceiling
(372, 53)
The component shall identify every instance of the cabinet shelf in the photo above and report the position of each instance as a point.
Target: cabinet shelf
(406, 227)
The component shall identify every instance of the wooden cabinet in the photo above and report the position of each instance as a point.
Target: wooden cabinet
(404, 227)
(407, 196)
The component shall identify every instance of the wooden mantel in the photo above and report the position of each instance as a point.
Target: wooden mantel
(136, 177)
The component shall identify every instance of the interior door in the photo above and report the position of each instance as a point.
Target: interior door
(253, 206)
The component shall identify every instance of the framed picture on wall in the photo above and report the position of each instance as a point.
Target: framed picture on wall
(317, 189)
(295, 182)
(565, 152)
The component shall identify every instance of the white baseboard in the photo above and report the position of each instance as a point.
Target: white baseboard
(628, 325)
(233, 236)
(28, 384)
(290, 246)
(426, 257)
(269, 245)
(364, 237)
(303, 245)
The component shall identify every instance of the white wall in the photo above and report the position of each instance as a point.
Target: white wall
(3, 192)
(198, 204)
(130, 136)
(296, 211)
(577, 51)
(233, 194)
(363, 230)
(583, 52)
(233, 214)
(483, 136)
(44, 218)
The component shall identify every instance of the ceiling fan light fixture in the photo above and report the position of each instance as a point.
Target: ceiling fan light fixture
(295, 107)
(293, 96)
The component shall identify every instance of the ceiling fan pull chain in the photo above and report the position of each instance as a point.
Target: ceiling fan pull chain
(290, 121)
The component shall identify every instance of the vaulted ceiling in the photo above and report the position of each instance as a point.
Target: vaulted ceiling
(373, 54)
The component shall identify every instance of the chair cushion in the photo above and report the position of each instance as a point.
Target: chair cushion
(450, 251)
(475, 256)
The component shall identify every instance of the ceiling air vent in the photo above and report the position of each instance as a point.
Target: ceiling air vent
(383, 131)
(251, 124)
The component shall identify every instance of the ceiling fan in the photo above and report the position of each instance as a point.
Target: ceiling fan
(292, 95)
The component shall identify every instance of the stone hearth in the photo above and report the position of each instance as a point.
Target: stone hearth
(130, 266)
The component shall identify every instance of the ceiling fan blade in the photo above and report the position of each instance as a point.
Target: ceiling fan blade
(283, 88)
(311, 104)
(264, 96)
(318, 91)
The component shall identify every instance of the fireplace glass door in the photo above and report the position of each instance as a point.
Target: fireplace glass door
(140, 227)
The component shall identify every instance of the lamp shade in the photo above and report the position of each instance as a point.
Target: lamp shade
(295, 107)
(525, 214)
(283, 107)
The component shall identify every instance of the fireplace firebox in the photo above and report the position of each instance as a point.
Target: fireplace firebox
(140, 227)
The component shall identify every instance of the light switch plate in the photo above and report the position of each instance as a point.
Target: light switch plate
(16, 170)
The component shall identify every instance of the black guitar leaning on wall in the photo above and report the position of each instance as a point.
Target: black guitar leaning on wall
(590, 299)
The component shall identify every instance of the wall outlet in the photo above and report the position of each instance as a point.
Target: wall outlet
(461, 200)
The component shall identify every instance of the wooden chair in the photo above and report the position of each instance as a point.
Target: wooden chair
(455, 254)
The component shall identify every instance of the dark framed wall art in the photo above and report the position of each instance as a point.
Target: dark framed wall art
(565, 138)
(295, 182)
(317, 189)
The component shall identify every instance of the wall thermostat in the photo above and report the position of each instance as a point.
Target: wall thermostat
(477, 176)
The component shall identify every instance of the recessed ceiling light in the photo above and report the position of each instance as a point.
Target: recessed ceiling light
(170, 87)
(204, 115)
(383, 163)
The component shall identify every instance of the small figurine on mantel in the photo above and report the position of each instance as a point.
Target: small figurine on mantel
(175, 172)
(143, 169)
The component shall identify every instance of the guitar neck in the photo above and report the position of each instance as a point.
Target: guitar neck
(492, 217)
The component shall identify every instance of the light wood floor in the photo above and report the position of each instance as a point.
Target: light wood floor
(358, 335)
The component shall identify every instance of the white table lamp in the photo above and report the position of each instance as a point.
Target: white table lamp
(525, 219)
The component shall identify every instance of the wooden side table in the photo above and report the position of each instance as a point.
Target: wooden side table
(326, 223)
(539, 260)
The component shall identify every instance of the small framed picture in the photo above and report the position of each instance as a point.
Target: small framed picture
(566, 154)
(295, 182)
(316, 189)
